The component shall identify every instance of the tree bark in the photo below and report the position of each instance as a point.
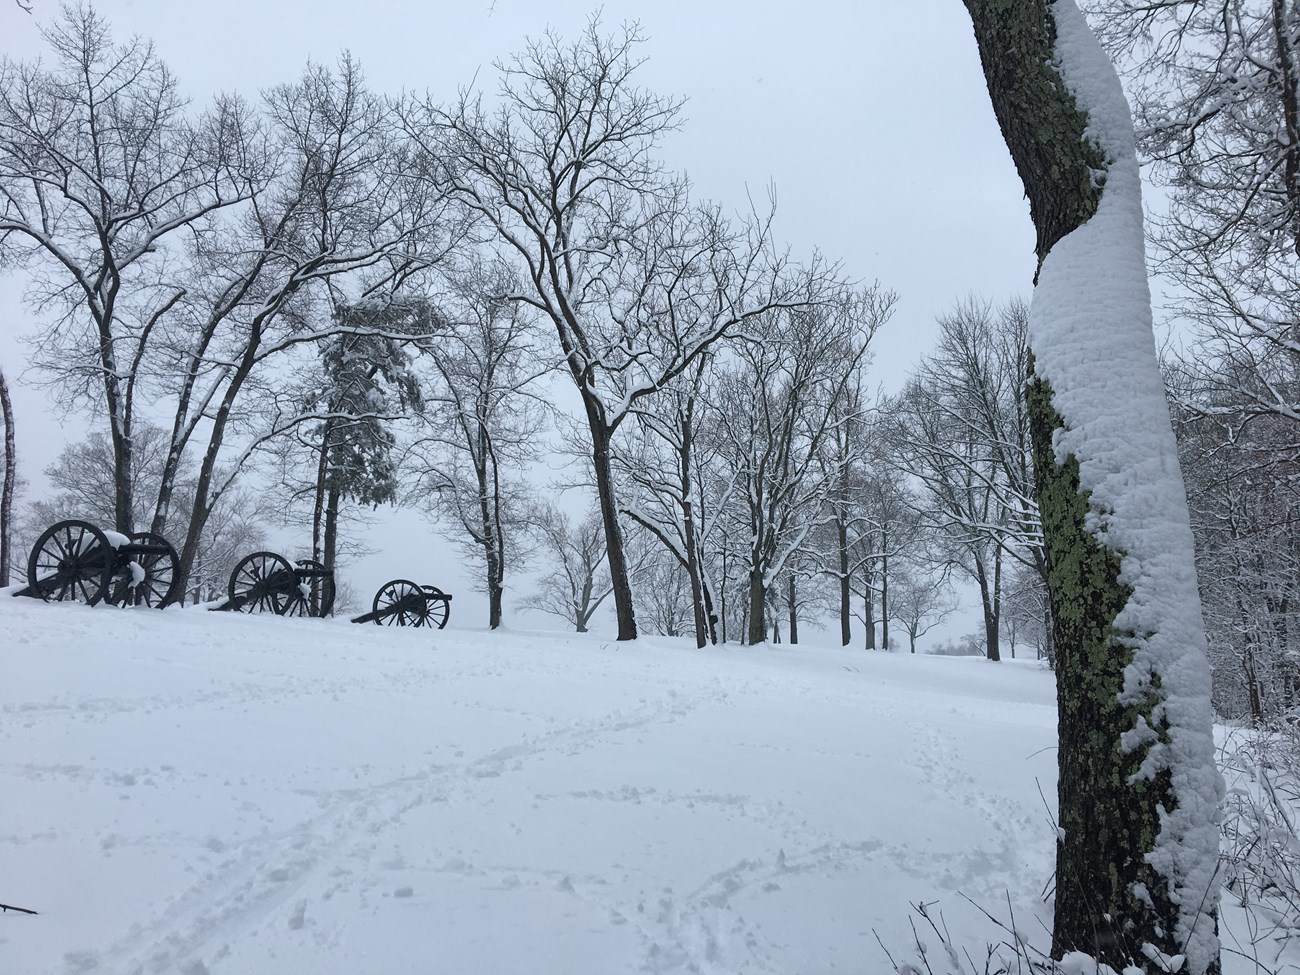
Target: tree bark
(318, 504)
(869, 606)
(757, 600)
(989, 597)
(793, 606)
(1111, 899)
(8, 480)
(494, 556)
(884, 595)
(846, 588)
(615, 552)
(330, 548)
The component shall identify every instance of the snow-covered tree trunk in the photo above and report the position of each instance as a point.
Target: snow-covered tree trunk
(1139, 792)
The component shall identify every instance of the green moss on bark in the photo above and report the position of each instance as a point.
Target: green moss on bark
(1109, 816)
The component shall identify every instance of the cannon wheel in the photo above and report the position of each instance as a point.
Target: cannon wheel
(395, 593)
(71, 561)
(319, 598)
(249, 592)
(438, 611)
(159, 586)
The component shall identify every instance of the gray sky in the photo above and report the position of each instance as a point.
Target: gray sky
(870, 119)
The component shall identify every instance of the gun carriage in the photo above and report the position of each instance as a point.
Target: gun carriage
(267, 582)
(74, 561)
(405, 603)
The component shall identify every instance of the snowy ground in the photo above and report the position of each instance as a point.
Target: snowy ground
(193, 792)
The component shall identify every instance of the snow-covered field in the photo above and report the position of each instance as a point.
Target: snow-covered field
(193, 792)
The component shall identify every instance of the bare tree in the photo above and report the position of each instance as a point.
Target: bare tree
(774, 407)
(848, 453)
(1241, 480)
(664, 593)
(1026, 615)
(103, 175)
(342, 220)
(662, 463)
(484, 420)
(636, 280)
(885, 533)
(578, 581)
(922, 599)
(962, 430)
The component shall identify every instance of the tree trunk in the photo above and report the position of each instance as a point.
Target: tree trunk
(869, 605)
(203, 503)
(123, 503)
(1137, 848)
(330, 548)
(884, 599)
(698, 609)
(846, 588)
(318, 504)
(8, 479)
(490, 527)
(615, 554)
(698, 595)
(988, 605)
(793, 606)
(757, 597)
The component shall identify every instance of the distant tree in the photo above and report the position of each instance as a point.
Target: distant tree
(636, 279)
(1242, 476)
(578, 581)
(849, 453)
(922, 599)
(484, 420)
(886, 533)
(1026, 617)
(8, 480)
(1138, 789)
(665, 461)
(774, 406)
(664, 602)
(963, 432)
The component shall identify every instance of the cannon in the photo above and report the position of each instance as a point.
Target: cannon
(405, 603)
(73, 561)
(266, 582)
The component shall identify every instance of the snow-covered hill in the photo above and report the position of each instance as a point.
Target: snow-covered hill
(192, 792)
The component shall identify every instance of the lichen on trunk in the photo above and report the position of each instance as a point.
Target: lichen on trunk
(1138, 790)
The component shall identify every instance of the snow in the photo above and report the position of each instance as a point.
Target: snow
(116, 539)
(194, 792)
(1090, 328)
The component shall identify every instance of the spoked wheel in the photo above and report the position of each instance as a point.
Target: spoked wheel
(314, 595)
(71, 562)
(400, 603)
(262, 582)
(147, 578)
(438, 610)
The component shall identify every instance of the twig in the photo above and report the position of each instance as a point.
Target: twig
(9, 907)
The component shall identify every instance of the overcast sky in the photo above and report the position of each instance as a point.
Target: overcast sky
(870, 119)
